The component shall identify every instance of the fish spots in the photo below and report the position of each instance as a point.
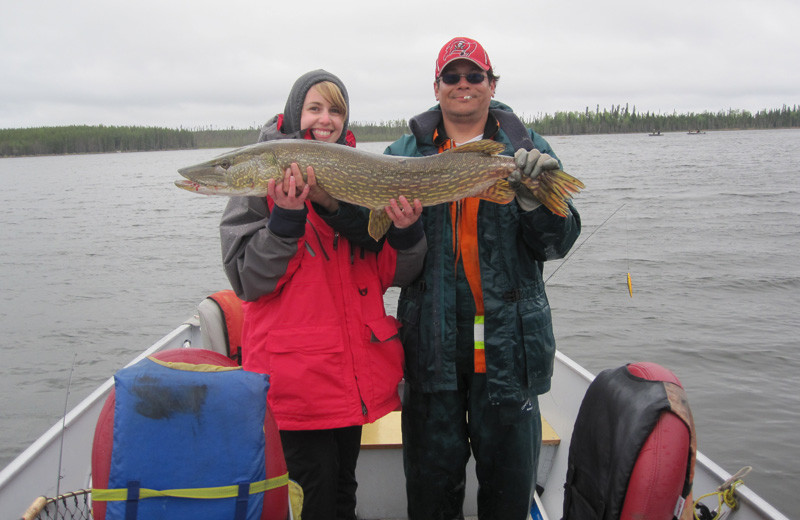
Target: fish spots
(155, 400)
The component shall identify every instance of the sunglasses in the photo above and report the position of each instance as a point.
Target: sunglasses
(475, 78)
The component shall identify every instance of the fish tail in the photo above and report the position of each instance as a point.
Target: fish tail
(550, 197)
(554, 188)
(565, 182)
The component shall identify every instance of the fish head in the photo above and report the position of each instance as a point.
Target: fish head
(240, 172)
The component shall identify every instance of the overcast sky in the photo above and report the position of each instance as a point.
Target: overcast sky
(198, 63)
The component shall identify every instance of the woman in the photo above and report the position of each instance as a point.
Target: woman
(314, 318)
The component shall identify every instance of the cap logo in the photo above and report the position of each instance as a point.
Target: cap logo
(461, 48)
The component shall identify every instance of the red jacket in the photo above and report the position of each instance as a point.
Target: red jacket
(323, 336)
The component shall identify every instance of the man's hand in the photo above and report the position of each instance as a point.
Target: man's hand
(534, 162)
(530, 164)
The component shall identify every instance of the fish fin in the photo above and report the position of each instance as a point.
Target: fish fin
(554, 188)
(500, 192)
(485, 146)
(379, 223)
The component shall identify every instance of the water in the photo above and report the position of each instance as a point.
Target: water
(100, 256)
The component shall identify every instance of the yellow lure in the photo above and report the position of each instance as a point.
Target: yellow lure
(630, 286)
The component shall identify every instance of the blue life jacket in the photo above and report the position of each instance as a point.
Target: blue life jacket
(173, 455)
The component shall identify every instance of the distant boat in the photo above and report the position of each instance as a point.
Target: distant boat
(695, 132)
(655, 133)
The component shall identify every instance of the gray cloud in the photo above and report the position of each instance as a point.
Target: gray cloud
(202, 63)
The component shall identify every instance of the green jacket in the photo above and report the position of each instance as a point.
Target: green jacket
(519, 341)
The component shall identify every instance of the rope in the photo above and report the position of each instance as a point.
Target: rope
(726, 495)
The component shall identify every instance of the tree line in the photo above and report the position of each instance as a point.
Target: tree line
(104, 139)
(60, 140)
(625, 120)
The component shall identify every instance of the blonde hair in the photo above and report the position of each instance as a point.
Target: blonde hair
(332, 95)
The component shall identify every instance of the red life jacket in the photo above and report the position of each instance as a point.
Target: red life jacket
(633, 448)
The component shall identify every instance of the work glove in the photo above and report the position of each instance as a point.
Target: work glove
(529, 164)
(534, 162)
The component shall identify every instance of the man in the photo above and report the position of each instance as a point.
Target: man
(477, 330)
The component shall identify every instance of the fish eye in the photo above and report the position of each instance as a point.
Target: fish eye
(225, 164)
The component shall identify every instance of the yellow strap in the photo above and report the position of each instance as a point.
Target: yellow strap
(191, 367)
(115, 495)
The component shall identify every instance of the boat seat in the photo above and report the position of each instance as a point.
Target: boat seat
(386, 433)
(221, 324)
(549, 435)
(383, 433)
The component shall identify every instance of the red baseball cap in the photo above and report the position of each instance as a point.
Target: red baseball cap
(461, 48)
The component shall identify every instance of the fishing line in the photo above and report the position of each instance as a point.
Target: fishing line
(584, 241)
(64, 429)
(628, 257)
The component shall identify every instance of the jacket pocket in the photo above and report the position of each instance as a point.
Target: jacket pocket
(307, 370)
(384, 353)
(540, 344)
(383, 329)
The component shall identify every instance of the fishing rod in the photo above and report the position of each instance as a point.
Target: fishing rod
(64, 428)
(584, 241)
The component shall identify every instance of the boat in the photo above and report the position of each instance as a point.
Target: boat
(695, 132)
(58, 464)
(655, 133)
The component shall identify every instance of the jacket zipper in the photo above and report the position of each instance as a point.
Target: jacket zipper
(319, 240)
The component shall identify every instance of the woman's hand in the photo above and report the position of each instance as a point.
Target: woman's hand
(402, 213)
(292, 192)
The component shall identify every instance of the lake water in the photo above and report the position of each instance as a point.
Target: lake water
(100, 255)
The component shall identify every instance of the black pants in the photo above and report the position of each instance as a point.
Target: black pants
(323, 462)
(439, 431)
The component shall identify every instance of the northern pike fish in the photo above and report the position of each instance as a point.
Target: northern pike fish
(371, 180)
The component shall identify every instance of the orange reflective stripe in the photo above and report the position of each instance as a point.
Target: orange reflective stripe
(468, 231)
(480, 361)
(464, 219)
